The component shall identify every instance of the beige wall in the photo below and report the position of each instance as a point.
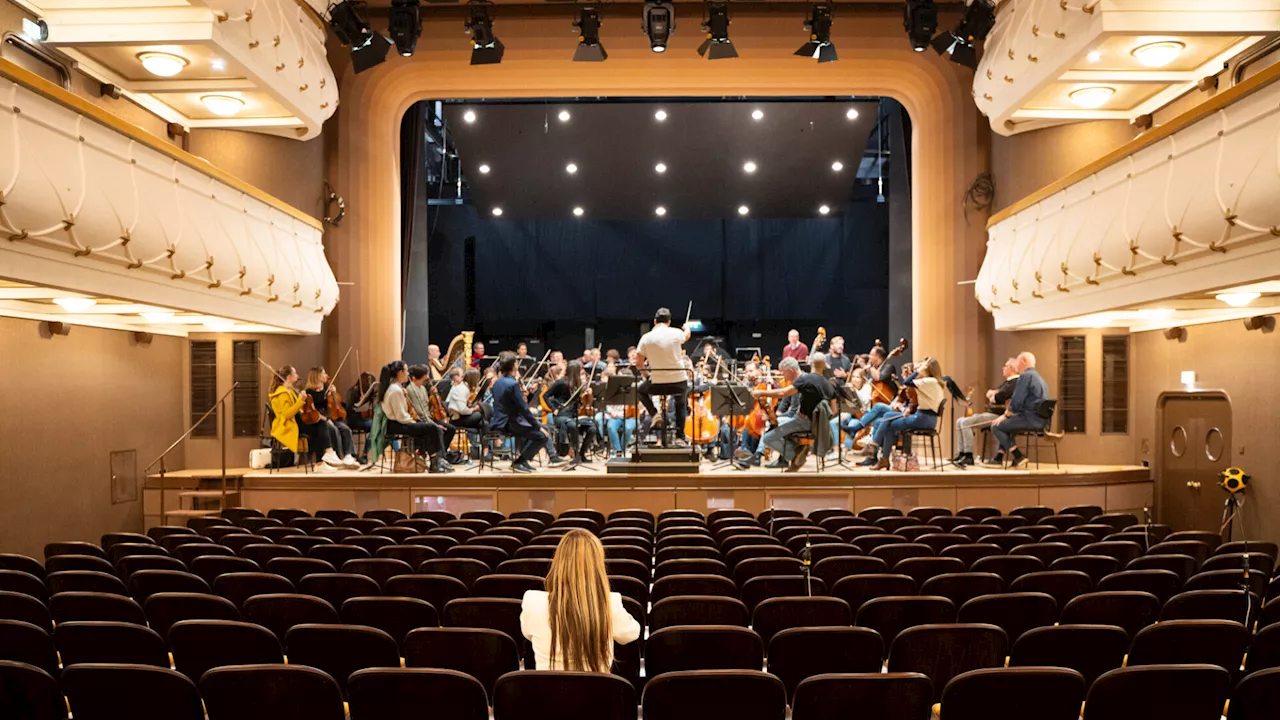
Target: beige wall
(1022, 164)
(288, 169)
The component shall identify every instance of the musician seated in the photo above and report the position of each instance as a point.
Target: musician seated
(511, 415)
(359, 403)
(795, 348)
(286, 425)
(839, 366)
(564, 397)
(857, 394)
(434, 362)
(663, 348)
(418, 391)
(395, 405)
(1021, 413)
(873, 418)
(618, 427)
(808, 389)
(340, 438)
(995, 396)
(930, 393)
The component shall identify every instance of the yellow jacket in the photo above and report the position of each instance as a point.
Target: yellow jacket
(286, 404)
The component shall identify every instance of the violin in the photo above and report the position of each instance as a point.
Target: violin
(435, 405)
(882, 389)
(310, 414)
(587, 402)
(336, 410)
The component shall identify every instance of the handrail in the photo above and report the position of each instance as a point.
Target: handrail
(191, 429)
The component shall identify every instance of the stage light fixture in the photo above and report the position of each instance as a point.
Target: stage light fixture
(660, 211)
(658, 22)
(851, 114)
(824, 210)
(660, 168)
(660, 115)
(350, 23)
(486, 48)
(588, 25)
(757, 114)
(469, 116)
(743, 209)
(577, 212)
(497, 212)
(819, 46)
(749, 167)
(484, 169)
(404, 23)
(563, 116)
(715, 24)
(960, 44)
(920, 20)
(837, 166)
(571, 168)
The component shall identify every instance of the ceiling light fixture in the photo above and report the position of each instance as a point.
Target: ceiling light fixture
(469, 116)
(660, 168)
(218, 64)
(404, 24)
(1091, 98)
(824, 210)
(660, 115)
(75, 304)
(563, 116)
(748, 167)
(571, 168)
(757, 114)
(658, 22)
(588, 24)
(851, 114)
(715, 23)
(484, 169)
(577, 212)
(162, 64)
(1093, 56)
(350, 23)
(158, 317)
(1158, 54)
(217, 324)
(1235, 299)
(659, 211)
(743, 209)
(222, 105)
(920, 20)
(497, 212)
(837, 166)
(960, 44)
(486, 48)
(818, 24)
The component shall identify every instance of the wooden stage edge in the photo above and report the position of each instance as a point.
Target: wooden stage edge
(1113, 487)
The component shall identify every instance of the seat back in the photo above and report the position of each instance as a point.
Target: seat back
(1256, 697)
(341, 649)
(885, 696)
(1182, 642)
(29, 693)
(280, 613)
(1015, 613)
(774, 615)
(199, 645)
(891, 615)
(26, 643)
(396, 616)
(1047, 693)
(1090, 650)
(110, 642)
(552, 695)
(697, 694)
(270, 692)
(698, 610)
(1128, 609)
(707, 647)
(481, 653)
(942, 652)
(1187, 692)
(137, 692)
(803, 652)
(377, 693)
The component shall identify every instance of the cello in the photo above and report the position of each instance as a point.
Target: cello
(763, 413)
(882, 391)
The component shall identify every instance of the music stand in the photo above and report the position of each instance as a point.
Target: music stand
(957, 395)
(733, 401)
(621, 390)
(844, 404)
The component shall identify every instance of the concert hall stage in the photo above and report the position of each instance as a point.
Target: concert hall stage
(1113, 487)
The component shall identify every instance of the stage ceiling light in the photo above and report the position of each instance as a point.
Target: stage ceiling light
(851, 114)
(837, 166)
(162, 64)
(469, 116)
(824, 210)
(715, 24)
(497, 212)
(660, 168)
(486, 48)
(1158, 54)
(577, 212)
(743, 209)
(819, 45)
(222, 105)
(757, 114)
(588, 25)
(659, 211)
(920, 20)
(484, 169)
(75, 304)
(660, 115)
(404, 23)
(1090, 98)
(658, 22)
(350, 23)
(960, 44)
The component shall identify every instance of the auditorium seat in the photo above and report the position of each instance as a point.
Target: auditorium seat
(800, 652)
(740, 553)
(240, 586)
(1015, 612)
(26, 643)
(816, 516)
(379, 693)
(340, 650)
(335, 534)
(1127, 609)
(757, 567)
(128, 549)
(883, 696)
(629, 568)
(1084, 512)
(1263, 562)
(942, 540)
(280, 613)
(1195, 548)
(698, 610)
(639, 554)
(872, 514)
(1256, 697)
(1045, 693)
(978, 513)
(1033, 513)
(629, 587)
(287, 515)
(210, 567)
(1186, 642)
(1122, 550)
(868, 543)
(506, 543)
(93, 563)
(822, 551)
(773, 615)
(303, 543)
(1238, 546)
(481, 653)
(371, 543)
(109, 642)
(23, 607)
(700, 694)
(977, 531)
(380, 570)
(165, 609)
(942, 652)
(1090, 650)
(1044, 552)
(1211, 605)
(700, 566)
(365, 525)
(270, 692)
(464, 569)
(129, 564)
(443, 516)
(960, 587)
(1095, 566)
(1064, 521)
(84, 581)
(239, 542)
(1226, 580)
(396, 616)
(1186, 692)
(506, 586)
(134, 691)
(893, 553)
(911, 532)
(21, 563)
(296, 568)
(218, 533)
(337, 588)
(493, 613)
(763, 587)
(187, 553)
(892, 614)
(338, 553)
(553, 695)
(435, 589)
(199, 645)
(145, 583)
(705, 647)
(77, 548)
(673, 585)
(236, 514)
(1008, 567)
(969, 553)
(1038, 532)
(422, 525)
(29, 693)
(1164, 584)
(857, 589)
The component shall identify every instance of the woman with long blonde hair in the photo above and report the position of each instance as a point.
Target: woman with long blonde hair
(575, 622)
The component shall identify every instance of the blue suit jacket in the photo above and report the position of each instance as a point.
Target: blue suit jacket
(1027, 394)
(509, 406)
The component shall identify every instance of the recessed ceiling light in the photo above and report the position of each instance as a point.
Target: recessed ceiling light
(748, 167)
(743, 209)
(162, 63)
(659, 211)
(497, 212)
(1157, 54)
(222, 105)
(660, 168)
(837, 166)
(577, 212)
(660, 115)
(469, 116)
(158, 317)
(75, 304)
(571, 168)
(564, 116)
(757, 114)
(1090, 98)
(824, 210)
(218, 64)
(484, 169)
(851, 113)
(217, 324)
(1234, 299)
(1093, 56)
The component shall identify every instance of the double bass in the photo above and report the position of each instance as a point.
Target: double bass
(882, 391)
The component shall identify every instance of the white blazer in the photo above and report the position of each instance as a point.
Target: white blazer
(535, 624)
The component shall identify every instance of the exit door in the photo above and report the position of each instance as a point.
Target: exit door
(1195, 437)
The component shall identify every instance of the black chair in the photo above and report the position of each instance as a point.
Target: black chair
(270, 692)
(134, 691)
(187, 553)
(691, 566)
(493, 613)
(29, 693)
(551, 695)
(707, 647)
(238, 587)
(341, 649)
(872, 514)
(435, 589)
(110, 642)
(961, 587)
(506, 586)
(1044, 409)
(145, 583)
(1195, 548)
(942, 652)
(832, 569)
(60, 563)
(922, 569)
(481, 653)
(396, 616)
(1260, 561)
(884, 696)
(296, 568)
(775, 615)
(1228, 580)
(386, 516)
(891, 615)
(337, 588)
(1164, 584)
(894, 553)
(1256, 697)
(22, 563)
(1130, 610)
(1033, 513)
(165, 609)
(1239, 546)
(1123, 550)
(1046, 693)
(18, 606)
(1186, 692)
(26, 643)
(378, 693)
(803, 652)
(208, 568)
(673, 585)
(465, 569)
(1015, 613)
(695, 695)
(1090, 650)
(759, 589)
(1211, 605)
(1188, 642)
(857, 589)
(281, 613)
(85, 581)
(698, 610)
(199, 645)
(1061, 585)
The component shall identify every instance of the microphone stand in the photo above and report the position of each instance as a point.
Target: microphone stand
(806, 559)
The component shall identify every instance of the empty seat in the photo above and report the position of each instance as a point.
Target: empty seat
(109, 642)
(145, 583)
(867, 543)
(1186, 692)
(486, 554)
(18, 606)
(1256, 697)
(1033, 513)
(698, 610)
(387, 516)
(29, 693)
(79, 548)
(1211, 605)
(134, 691)
(130, 564)
(59, 563)
(493, 613)
(872, 514)
(22, 563)
(550, 695)
(165, 609)
(673, 585)
(302, 543)
(208, 568)
(969, 553)
(1061, 585)
(1009, 567)
(1015, 613)
(1045, 552)
(378, 693)
(803, 652)
(921, 569)
(941, 652)
(1090, 650)
(1095, 566)
(1127, 609)
(1195, 548)
(337, 588)
(961, 587)
(296, 568)
(1007, 540)
(1182, 642)
(1260, 561)
(1123, 550)
(774, 615)
(464, 569)
(832, 569)
(270, 692)
(238, 587)
(23, 582)
(1238, 546)
(85, 581)
(129, 549)
(240, 542)
(1164, 584)
(696, 695)
(480, 653)
(187, 553)
(1046, 693)
(761, 588)
(380, 570)
(708, 647)
(280, 613)
(199, 645)
(340, 649)
(1228, 580)
(893, 553)
(940, 541)
(857, 589)
(338, 553)
(435, 589)
(884, 696)
(26, 643)
(396, 616)
(892, 614)
(536, 567)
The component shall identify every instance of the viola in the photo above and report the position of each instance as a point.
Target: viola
(336, 410)
(435, 405)
(310, 414)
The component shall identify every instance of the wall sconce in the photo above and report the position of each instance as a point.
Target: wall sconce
(143, 338)
(54, 327)
(1265, 323)
(1176, 333)
(1189, 378)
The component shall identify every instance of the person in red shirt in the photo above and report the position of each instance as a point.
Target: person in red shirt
(795, 348)
(477, 354)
